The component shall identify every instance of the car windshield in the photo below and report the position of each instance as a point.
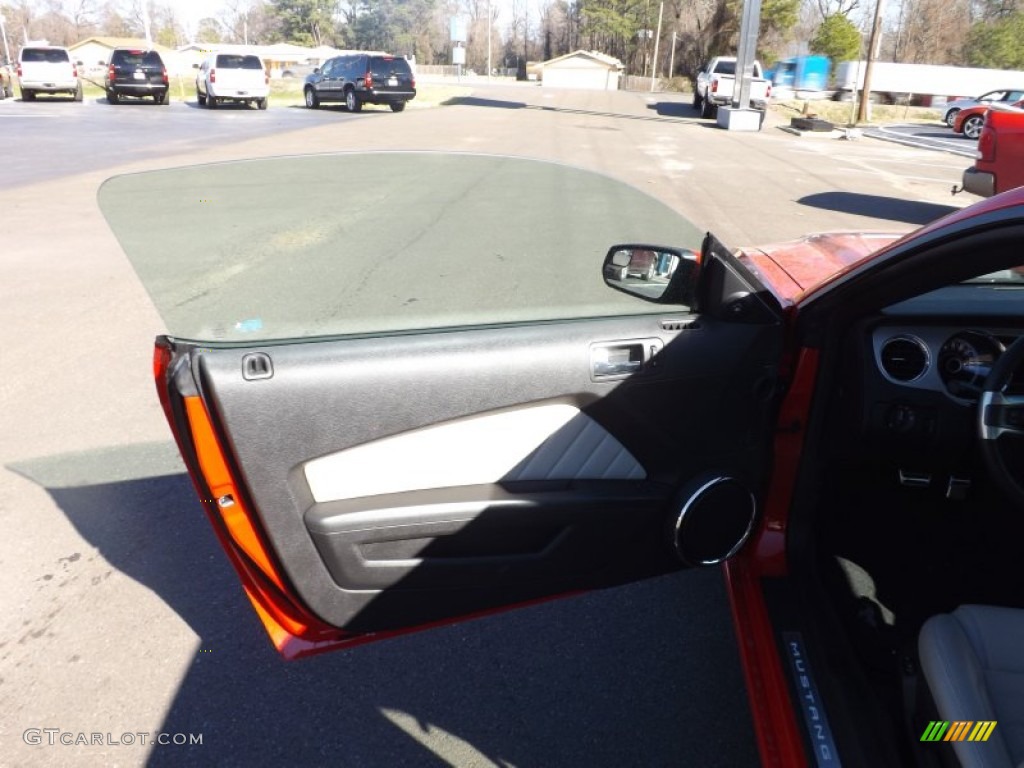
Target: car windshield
(229, 61)
(47, 55)
(138, 58)
(382, 66)
(1009, 277)
(278, 249)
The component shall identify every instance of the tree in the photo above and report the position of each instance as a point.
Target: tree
(778, 18)
(250, 21)
(838, 38)
(828, 8)
(929, 32)
(306, 22)
(209, 31)
(997, 44)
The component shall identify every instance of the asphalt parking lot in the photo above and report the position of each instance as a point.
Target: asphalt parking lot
(935, 137)
(120, 615)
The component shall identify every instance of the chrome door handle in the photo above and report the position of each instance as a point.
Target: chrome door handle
(608, 368)
(619, 359)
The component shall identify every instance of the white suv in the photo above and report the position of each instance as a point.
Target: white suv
(47, 69)
(232, 77)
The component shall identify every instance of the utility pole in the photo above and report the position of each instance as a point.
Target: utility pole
(865, 94)
(657, 39)
(526, 38)
(3, 34)
(489, 25)
(672, 57)
(145, 24)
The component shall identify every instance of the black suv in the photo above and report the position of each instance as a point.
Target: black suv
(136, 73)
(359, 79)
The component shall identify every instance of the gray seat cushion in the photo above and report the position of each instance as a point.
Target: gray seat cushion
(973, 662)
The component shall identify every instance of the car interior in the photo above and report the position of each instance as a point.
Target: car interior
(911, 526)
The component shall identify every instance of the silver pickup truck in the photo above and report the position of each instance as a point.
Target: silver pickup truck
(715, 85)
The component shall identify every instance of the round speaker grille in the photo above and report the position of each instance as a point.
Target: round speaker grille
(714, 521)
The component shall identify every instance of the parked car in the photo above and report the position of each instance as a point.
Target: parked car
(1000, 158)
(6, 81)
(362, 78)
(992, 97)
(137, 74)
(969, 120)
(47, 69)
(224, 77)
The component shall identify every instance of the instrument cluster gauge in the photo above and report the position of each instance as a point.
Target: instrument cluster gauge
(965, 361)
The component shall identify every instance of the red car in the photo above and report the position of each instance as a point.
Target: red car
(970, 121)
(999, 163)
(434, 402)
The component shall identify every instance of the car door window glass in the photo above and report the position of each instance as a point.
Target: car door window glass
(411, 241)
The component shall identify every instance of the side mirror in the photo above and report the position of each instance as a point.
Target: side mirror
(652, 272)
(316, 71)
(101, 63)
(195, 66)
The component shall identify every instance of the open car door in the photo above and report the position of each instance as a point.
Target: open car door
(369, 469)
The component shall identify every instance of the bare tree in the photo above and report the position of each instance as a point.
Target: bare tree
(84, 16)
(828, 8)
(930, 32)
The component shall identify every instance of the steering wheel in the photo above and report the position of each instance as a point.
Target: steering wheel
(1001, 417)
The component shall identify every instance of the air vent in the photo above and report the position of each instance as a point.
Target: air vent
(904, 358)
(679, 325)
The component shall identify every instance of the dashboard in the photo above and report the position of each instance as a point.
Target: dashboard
(922, 379)
(949, 359)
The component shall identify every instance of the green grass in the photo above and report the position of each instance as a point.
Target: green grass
(839, 112)
(288, 92)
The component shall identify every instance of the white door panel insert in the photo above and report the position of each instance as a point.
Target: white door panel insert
(545, 442)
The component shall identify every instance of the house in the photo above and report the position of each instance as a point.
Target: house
(582, 70)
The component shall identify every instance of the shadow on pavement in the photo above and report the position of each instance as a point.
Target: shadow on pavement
(645, 674)
(878, 207)
(674, 109)
(474, 101)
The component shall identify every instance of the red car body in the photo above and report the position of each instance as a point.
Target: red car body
(1000, 158)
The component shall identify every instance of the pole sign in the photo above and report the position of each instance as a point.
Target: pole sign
(459, 29)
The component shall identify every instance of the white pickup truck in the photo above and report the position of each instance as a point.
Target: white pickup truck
(715, 85)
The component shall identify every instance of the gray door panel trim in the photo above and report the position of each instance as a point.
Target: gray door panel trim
(327, 396)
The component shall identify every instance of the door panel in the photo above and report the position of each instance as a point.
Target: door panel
(408, 478)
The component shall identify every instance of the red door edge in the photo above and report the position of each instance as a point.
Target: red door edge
(776, 730)
(775, 727)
